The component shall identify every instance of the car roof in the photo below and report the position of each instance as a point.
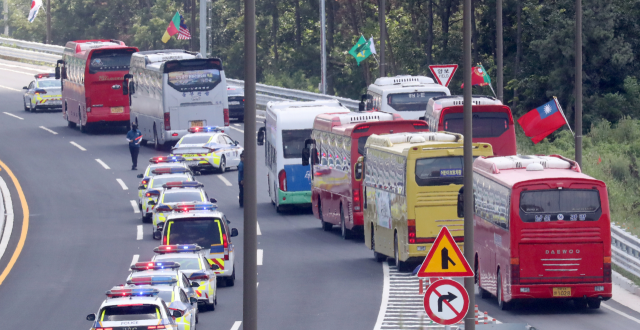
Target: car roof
(128, 300)
(185, 255)
(195, 215)
(179, 190)
(176, 175)
(152, 272)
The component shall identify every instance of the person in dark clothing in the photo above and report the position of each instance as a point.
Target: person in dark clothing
(134, 136)
(241, 179)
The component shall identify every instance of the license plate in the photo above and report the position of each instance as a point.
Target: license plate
(193, 162)
(197, 123)
(234, 102)
(117, 110)
(562, 292)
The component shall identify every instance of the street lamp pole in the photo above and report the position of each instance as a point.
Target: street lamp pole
(578, 82)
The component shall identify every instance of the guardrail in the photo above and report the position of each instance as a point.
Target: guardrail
(625, 250)
(34, 51)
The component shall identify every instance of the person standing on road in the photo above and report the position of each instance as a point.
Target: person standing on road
(241, 179)
(134, 136)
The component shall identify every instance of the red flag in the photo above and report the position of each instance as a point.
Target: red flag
(542, 121)
(599, 160)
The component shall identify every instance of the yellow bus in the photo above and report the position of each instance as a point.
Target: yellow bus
(411, 190)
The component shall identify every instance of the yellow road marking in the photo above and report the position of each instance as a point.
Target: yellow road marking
(25, 223)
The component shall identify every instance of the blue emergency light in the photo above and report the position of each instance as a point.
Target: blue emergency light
(154, 265)
(166, 159)
(170, 170)
(178, 248)
(205, 129)
(153, 280)
(122, 291)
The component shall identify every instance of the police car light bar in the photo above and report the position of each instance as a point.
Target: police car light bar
(45, 75)
(170, 170)
(154, 265)
(152, 193)
(153, 280)
(163, 208)
(121, 291)
(186, 207)
(177, 248)
(166, 159)
(182, 184)
(205, 129)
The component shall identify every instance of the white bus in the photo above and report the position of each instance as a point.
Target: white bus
(288, 125)
(405, 95)
(173, 90)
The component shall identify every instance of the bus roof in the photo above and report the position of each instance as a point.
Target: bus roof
(159, 56)
(511, 170)
(400, 143)
(342, 123)
(303, 112)
(402, 83)
(81, 47)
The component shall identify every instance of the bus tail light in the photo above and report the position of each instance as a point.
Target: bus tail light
(356, 199)
(411, 229)
(167, 121)
(226, 117)
(606, 270)
(282, 179)
(88, 109)
(515, 271)
(225, 244)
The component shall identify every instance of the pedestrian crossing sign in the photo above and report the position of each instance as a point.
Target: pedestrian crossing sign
(445, 259)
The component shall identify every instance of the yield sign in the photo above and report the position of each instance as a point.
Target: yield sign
(445, 259)
(446, 302)
(443, 73)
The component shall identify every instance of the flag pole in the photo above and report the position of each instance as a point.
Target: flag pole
(494, 92)
(555, 99)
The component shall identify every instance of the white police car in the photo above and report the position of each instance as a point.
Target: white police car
(154, 187)
(208, 148)
(143, 271)
(171, 196)
(157, 163)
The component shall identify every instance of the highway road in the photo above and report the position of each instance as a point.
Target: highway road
(82, 237)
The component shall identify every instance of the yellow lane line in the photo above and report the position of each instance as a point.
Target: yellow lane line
(25, 223)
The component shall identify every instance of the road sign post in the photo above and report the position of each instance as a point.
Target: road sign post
(446, 302)
(443, 73)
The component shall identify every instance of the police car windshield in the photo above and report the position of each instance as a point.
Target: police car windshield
(185, 263)
(204, 232)
(48, 83)
(195, 139)
(159, 181)
(167, 295)
(182, 196)
(129, 313)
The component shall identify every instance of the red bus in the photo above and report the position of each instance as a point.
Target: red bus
(542, 230)
(492, 121)
(92, 73)
(336, 197)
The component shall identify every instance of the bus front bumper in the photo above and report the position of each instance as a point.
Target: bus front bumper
(541, 291)
(294, 197)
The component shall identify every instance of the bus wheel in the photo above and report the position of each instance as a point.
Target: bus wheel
(156, 144)
(501, 303)
(83, 128)
(378, 256)
(346, 233)
(325, 225)
(70, 123)
(402, 266)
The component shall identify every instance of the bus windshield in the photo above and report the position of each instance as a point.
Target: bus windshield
(129, 312)
(439, 171)
(485, 124)
(293, 142)
(567, 204)
(416, 101)
(110, 60)
(204, 232)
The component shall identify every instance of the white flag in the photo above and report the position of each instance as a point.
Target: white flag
(35, 6)
(372, 46)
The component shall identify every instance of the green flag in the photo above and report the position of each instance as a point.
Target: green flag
(361, 50)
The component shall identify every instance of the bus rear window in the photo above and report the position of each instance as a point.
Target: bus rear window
(110, 60)
(204, 232)
(195, 80)
(485, 124)
(293, 142)
(129, 313)
(439, 171)
(554, 205)
(416, 101)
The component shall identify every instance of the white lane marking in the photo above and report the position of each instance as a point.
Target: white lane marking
(11, 89)
(48, 130)
(135, 259)
(12, 115)
(385, 296)
(236, 325)
(257, 224)
(78, 146)
(7, 210)
(620, 313)
(236, 125)
(134, 204)
(257, 284)
(139, 236)
(260, 257)
(28, 68)
(239, 130)
(223, 179)
(124, 186)
(106, 167)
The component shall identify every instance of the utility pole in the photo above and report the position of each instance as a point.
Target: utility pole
(383, 35)
(249, 264)
(323, 59)
(48, 20)
(578, 82)
(469, 285)
(499, 51)
(192, 42)
(6, 17)
(203, 28)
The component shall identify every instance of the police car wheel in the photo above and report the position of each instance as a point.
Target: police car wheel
(231, 280)
(210, 307)
(223, 165)
(31, 107)
(25, 105)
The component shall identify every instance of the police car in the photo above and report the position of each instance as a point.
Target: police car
(156, 163)
(134, 308)
(204, 225)
(208, 148)
(43, 93)
(172, 194)
(196, 267)
(152, 269)
(154, 187)
(173, 296)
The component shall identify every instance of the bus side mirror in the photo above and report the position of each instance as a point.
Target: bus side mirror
(132, 88)
(59, 64)
(261, 133)
(361, 105)
(125, 84)
(358, 170)
(306, 154)
(57, 72)
(314, 156)
(461, 203)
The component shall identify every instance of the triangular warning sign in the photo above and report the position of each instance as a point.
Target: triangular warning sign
(443, 73)
(445, 259)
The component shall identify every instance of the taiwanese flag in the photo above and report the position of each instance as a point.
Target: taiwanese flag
(173, 28)
(542, 121)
